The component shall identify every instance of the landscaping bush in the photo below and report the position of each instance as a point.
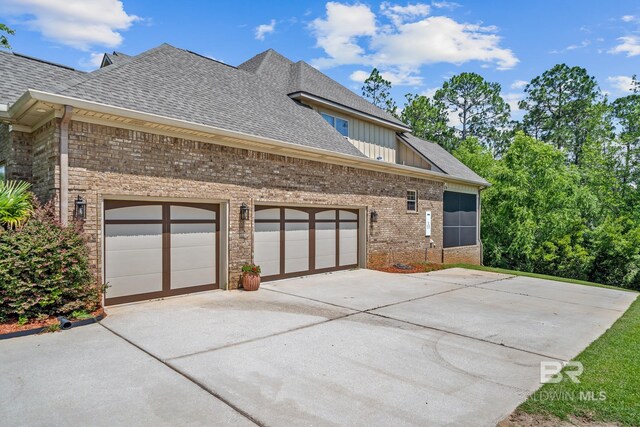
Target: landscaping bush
(44, 269)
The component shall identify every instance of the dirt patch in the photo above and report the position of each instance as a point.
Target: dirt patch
(523, 419)
(414, 268)
(14, 326)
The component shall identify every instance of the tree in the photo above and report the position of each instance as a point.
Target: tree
(378, 91)
(626, 111)
(562, 109)
(534, 213)
(428, 120)
(482, 112)
(4, 42)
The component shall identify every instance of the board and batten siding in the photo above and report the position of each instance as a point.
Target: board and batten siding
(376, 142)
(407, 156)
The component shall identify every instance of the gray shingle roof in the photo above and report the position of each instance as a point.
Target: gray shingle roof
(19, 73)
(442, 158)
(292, 77)
(175, 83)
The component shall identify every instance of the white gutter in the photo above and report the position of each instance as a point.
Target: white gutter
(327, 155)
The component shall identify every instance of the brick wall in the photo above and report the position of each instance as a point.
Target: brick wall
(461, 255)
(15, 153)
(108, 161)
(111, 161)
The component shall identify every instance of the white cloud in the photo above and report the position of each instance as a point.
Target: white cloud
(446, 5)
(264, 29)
(399, 14)
(629, 45)
(440, 39)
(76, 23)
(396, 78)
(409, 39)
(581, 45)
(519, 84)
(338, 33)
(93, 61)
(622, 84)
(629, 18)
(430, 92)
(512, 99)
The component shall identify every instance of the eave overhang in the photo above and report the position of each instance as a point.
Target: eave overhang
(108, 115)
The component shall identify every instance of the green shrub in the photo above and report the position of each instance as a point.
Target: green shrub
(44, 269)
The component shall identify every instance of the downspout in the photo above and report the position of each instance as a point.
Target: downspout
(64, 164)
(479, 225)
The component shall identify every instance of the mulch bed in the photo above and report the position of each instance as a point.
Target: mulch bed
(415, 268)
(14, 326)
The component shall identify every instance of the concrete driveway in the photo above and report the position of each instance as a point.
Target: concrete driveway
(453, 347)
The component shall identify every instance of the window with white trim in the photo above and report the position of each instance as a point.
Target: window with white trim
(341, 125)
(412, 201)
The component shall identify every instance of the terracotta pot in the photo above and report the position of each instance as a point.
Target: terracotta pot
(250, 282)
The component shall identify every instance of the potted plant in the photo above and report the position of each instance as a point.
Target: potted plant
(250, 277)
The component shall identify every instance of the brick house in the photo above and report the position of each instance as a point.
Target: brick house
(190, 168)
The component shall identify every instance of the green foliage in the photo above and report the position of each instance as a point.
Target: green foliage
(428, 120)
(477, 157)
(564, 108)
(15, 203)
(4, 42)
(531, 217)
(44, 269)
(482, 112)
(377, 90)
(251, 269)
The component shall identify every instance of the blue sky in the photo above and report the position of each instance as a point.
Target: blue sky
(417, 45)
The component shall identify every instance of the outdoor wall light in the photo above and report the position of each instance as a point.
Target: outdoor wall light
(374, 216)
(80, 210)
(244, 211)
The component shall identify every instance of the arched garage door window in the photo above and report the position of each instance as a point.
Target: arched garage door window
(460, 219)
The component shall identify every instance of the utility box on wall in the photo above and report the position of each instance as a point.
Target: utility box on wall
(428, 224)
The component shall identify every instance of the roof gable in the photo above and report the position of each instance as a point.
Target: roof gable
(441, 158)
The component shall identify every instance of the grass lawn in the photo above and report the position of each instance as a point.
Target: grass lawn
(611, 367)
(610, 383)
(536, 275)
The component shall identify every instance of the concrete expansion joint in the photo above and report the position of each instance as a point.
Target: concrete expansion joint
(189, 378)
(370, 312)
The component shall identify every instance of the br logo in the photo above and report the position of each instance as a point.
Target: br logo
(551, 371)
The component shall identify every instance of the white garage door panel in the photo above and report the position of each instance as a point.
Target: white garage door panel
(267, 247)
(348, 243)
(193, 255)
(296, 246)
(325, 245)
(133, 258)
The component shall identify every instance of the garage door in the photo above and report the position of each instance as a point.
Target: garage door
(291, 242)
(156, 249)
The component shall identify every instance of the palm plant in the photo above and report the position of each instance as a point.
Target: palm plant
(15, 203)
